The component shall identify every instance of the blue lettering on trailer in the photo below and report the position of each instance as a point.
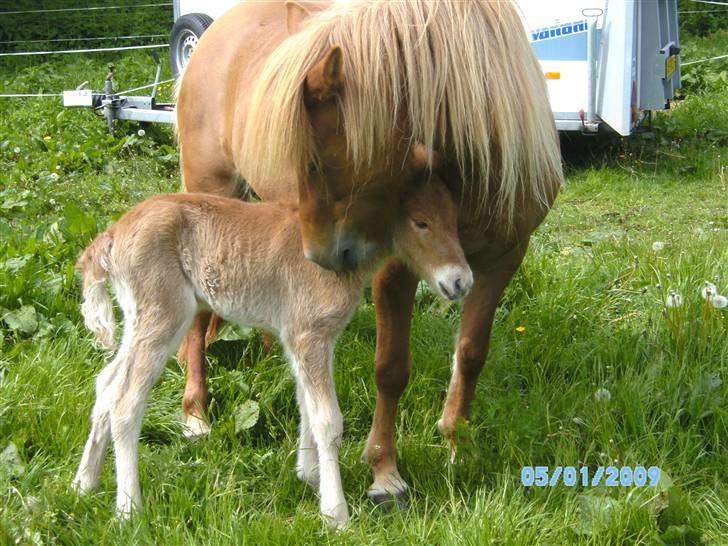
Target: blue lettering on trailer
(558, 30)
(563, 42)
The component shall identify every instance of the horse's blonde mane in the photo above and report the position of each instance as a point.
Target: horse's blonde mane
(461, 73)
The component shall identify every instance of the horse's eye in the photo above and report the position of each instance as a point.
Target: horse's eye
(313, 168)
(419, 224)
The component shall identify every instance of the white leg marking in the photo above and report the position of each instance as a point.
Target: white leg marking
(307, 461)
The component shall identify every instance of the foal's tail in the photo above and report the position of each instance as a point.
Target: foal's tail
(95, 267)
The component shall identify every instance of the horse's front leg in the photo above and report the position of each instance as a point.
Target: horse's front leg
(394, 294)
(491, 279)
(196, 396)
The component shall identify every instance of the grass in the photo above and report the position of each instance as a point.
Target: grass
(585, 313)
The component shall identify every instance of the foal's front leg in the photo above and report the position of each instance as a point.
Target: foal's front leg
(313, 366)
(307, 468)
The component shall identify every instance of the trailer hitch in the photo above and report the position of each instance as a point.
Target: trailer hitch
(120, 105)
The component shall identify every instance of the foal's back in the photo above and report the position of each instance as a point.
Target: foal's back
(244, 260)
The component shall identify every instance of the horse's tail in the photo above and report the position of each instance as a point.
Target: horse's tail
(95, 268)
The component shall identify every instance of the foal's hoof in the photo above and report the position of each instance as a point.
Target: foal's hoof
(195, 428)
(336, 517)
(308, 476)
(389, 493)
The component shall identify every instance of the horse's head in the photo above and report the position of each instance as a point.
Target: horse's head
(426, 239)
(347, 213)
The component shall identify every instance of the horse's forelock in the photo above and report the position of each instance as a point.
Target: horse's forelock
(460, 74)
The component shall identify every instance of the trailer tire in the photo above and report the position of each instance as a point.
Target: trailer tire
(186, 32)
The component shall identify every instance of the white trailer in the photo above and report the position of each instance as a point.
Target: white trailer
(607, 63)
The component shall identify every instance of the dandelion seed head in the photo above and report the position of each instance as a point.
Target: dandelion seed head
(141, 132)
(603, 395)
(719, 302)
(673, 299)
(16, 149)
(709, 290)
(658, 245)
(54, 176)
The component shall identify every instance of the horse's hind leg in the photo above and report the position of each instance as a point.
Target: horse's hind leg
(394, 295)
(196, 396)
(474, 336)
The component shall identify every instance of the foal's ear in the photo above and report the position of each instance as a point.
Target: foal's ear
(326, 77)
(422, 158)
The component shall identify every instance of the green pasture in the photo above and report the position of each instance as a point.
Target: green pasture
(589, 364)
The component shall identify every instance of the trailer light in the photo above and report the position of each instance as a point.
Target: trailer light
(553, 75)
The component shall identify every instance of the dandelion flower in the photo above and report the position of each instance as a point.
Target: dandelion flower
(657, 246)
(16, 149)
(520, 329)
(47, 138)
(603, 395)
(674, 299)
(709, 290)
(719, 302)
(141, 132)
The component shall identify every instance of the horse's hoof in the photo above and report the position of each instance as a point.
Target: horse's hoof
(391, 494)
(195, 428)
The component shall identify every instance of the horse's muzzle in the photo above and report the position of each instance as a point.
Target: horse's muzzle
(346, 253)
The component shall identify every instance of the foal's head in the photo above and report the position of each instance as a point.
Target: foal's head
(427, 240)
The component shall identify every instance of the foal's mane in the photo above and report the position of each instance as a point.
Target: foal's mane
(461, 73)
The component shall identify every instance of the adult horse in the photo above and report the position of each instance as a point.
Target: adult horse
(322, 103)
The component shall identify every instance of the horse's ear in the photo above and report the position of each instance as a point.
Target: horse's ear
(296, 12)
(422, 158)
(326, 77)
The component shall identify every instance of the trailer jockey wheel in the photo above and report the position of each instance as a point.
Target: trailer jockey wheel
(186, 32)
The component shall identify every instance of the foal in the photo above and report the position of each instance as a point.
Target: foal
(173, 255)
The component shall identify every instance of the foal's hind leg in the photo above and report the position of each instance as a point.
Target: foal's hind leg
(155, 336)
(394, 295)
(474, 336)
(89, 470)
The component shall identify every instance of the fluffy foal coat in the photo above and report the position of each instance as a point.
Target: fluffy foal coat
(173, 255)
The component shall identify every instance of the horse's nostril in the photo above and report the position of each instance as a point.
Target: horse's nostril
(458, 285)
(348, 259)
(444, 290)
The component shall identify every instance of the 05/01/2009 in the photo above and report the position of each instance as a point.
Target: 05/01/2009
(612, 476)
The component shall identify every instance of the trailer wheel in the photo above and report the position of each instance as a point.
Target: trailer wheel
(186, 32)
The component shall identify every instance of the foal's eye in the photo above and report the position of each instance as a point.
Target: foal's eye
(419, 224)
